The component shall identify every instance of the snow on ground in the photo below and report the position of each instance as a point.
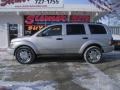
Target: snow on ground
(93, 79)
(39, 85)
(7, 67)
(86, 75)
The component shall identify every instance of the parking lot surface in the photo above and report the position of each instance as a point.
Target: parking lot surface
(60, 73)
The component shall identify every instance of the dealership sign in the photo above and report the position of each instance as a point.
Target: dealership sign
(30, 3)
(37, 19)
(34, 23)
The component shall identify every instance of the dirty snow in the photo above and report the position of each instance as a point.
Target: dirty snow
(39, 85)
(93, 79)
(117, 77)
(90, 78)
(7, 67)
(24, 88)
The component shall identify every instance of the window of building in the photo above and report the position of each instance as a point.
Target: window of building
(97, 29)
(75, 29)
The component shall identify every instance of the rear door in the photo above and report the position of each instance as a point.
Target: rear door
(75, 37)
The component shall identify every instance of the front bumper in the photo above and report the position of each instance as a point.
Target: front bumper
(10, 51)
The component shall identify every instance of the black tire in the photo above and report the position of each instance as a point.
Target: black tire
(25, 55)
(93, 55)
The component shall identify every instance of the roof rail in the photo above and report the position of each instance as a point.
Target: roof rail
(96, 22)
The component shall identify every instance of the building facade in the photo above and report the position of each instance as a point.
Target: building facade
(20, 18)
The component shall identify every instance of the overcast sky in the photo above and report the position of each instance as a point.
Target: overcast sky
(76, 1)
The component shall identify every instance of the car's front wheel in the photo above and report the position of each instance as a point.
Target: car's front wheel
(25, 55)
(93, 54)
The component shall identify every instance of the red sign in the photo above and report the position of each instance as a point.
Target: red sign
(5, 2)
(34, 23)
(34, 27)
(44, 18)
(79, 18)
(30, 4)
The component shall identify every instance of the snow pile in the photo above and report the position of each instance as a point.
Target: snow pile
(39, 85)
(116, 37)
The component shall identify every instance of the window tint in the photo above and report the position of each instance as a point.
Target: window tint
(75, 29)
(97, 29)
(53, 31)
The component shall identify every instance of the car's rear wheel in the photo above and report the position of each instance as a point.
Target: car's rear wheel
(93, 54)
(25, 55)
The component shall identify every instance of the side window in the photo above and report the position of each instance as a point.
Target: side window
(97, 29)
(53, 31)
(75, 29)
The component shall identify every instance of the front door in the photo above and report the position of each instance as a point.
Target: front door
(13, 31)
(50, 41)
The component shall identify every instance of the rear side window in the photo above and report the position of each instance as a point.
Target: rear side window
(97, 29)
(75, 29)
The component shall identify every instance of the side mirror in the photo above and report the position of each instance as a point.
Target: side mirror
(43, 34)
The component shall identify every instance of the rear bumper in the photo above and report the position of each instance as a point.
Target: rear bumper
(10, 51)
(108, 49)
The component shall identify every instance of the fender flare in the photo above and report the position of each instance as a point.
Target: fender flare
(88, 44)
(27, 43)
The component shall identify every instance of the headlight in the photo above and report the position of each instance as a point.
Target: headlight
(11, 44)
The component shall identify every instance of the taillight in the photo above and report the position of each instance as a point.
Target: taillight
(111, 41)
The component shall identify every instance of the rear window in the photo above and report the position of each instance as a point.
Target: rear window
(97, 29)
(75, 29)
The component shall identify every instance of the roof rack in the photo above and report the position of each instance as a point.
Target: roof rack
(96, 22)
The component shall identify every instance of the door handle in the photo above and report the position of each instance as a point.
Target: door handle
(59, 38)
(85, 38)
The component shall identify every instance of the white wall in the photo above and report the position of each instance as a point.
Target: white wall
(11, 19)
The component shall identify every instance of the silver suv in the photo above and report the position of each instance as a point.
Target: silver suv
(87, 39)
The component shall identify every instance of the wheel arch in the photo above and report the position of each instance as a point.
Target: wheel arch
(83, 49)
(28, 44)
(22, 46)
